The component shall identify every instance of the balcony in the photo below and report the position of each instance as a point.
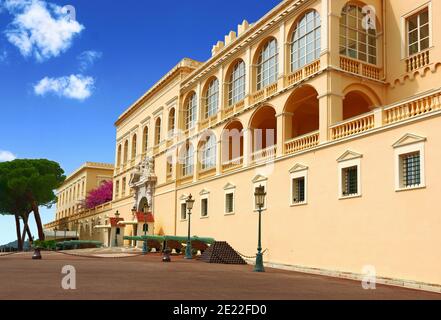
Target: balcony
(360, 68)
(412, 108)
(206, 173)
(353, 126)
(209, 122)
(233, 109)
(304, 142)
(264, 154)
(233, 164)
(418, 61)
(303, 73)
(264, 93)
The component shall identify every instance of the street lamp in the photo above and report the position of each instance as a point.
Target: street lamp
(259, 196)
(55, 232)
(116, 230)
(134, 231)
(188, 250)
(145, 209)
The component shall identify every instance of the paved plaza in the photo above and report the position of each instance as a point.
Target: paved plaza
(126, 277)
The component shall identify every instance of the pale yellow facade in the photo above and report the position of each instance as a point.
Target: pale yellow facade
(76, 186)
(352, 175)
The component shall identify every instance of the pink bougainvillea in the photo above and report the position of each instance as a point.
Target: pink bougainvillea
(99, 196)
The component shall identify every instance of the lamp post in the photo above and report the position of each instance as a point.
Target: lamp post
(116, 230)
(145, 248)
(188, 250)
(55, 236)
(133, 216)
(259, 196)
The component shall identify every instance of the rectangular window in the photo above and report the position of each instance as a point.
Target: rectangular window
(418, 32)
(229, 203)
(350, 181)
(183, 211)
(204, 208)
(298, 190)
(411, 170)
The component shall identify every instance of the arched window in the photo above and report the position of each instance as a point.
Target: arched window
(306, 43)
(212, 99)
(158, 131)
(171, 122)
(188, 161)
(267, 68)
(118, 157)
(191, 111)
(355, 41)
(145, 139)
(208, 153)
(134, 146)
(237, 83)
(126, 151)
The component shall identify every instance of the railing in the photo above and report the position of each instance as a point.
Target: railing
(230, 110)
(204, 173)
(186, 179)
(264, 154)
(211, 121)
(304, 142)
(232, 164)
(264, 93)
(360, 68)
(418, 61)
(303, 73)
(353, 126)
(413, 108)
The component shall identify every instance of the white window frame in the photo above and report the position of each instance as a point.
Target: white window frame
(268, 65)
(212, 99)
(348, 160)
(405, 29)
(237, 86)
(183, 202)
(191, 111)
(188, 161)
(205, 195)
(230, 189)
(403, 148)
(298, 172)
(209, 153)
(299, 37)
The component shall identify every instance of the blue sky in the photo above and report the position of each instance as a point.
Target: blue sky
(65, 77)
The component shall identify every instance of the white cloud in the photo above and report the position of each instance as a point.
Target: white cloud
(39, 29)
(88, 58)
(6, 156)
(76, 87)
(3, 56)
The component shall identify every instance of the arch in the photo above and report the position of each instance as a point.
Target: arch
(118, 156)
(207, 148)
(126, 151)
(186, 159)
(158, 138)
(304, 39)
(171, 121)
(134, 146)
(190, 110)
(141, 204)
(263, 127)
(358, 100)
(236, 76)
(266, 63)
(210, 98)
(301, 113)
(145, 139)
(232, 140)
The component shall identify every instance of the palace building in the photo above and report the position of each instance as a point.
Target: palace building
(334, 107)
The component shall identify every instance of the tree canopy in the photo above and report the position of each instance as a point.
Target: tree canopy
(25, 185)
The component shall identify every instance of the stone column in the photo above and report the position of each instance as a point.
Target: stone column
(247, 146)
(280, 136)
(330, 112)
